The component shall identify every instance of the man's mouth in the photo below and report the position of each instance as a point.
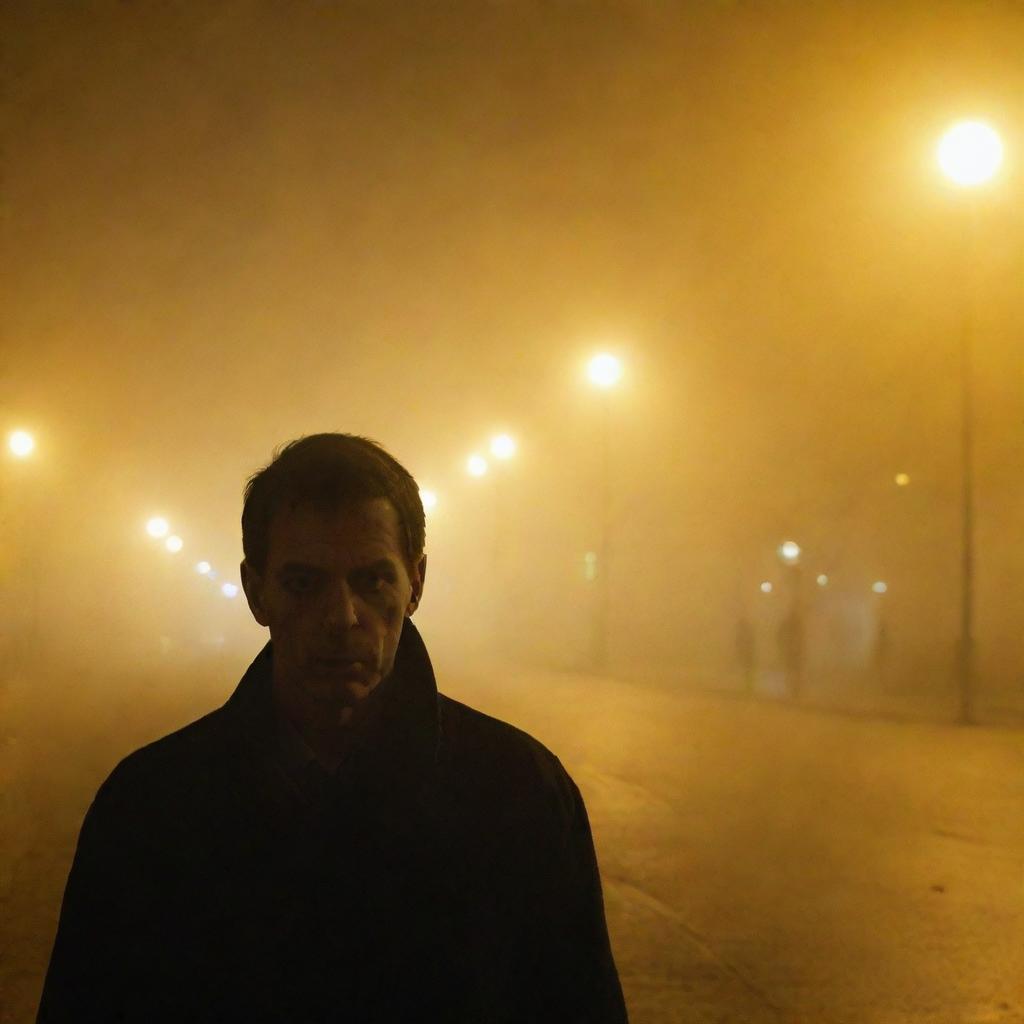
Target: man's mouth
(341, 666)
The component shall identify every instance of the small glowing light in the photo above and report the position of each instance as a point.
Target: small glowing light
(476, 465)
(879, 587)
(229, 590)
(21, 444)
(157, 527)
(174, 543)
(429, 499)
(604, 370)
(902, 479)
(766, 587)
(590, 566)
(203, 568)
(822, 580)
(789, 551)
(503, 447)
(970, 153)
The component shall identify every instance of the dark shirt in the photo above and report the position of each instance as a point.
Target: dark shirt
(445, 872)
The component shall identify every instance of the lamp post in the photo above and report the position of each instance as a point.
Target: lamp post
(791, 629)
(22, 524)
(969, 155)
(604, 371)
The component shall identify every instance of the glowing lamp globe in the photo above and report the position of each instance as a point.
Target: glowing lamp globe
(970, 153)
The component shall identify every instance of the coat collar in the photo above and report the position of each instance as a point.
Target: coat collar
(403, 742)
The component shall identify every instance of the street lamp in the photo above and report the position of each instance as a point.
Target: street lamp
(21, 444)
(604, 372)
(429, 499)
(157, 527)
(969, 154)
(503, 446)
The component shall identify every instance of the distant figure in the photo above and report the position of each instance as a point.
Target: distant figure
(339, 841)
(791, 651)
(746, 653)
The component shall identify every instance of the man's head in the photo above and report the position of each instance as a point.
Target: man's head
(333, 537)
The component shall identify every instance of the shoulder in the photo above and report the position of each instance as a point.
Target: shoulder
(169, 766)
(500, 756)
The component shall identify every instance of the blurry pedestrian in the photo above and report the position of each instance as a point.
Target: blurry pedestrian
(746, 651)
(790, 636)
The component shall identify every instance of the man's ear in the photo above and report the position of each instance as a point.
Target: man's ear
(419, 574)
(252, 584)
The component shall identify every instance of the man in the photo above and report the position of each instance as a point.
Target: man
(339, 841)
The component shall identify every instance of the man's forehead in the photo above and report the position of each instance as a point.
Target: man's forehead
(367, 529)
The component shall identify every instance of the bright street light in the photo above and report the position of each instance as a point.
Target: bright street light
(789, 552)
(766, 587)
(902, 479)
(203, 568)
(604, 370)
(823, 580)
(476, 465)
(229, 590)
(503, 447)
(157, 527)
(21, 444)
(174, 544)
(429, 499)
(879, 587)
(970, 153)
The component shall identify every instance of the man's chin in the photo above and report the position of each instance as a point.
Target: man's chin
(342, 691)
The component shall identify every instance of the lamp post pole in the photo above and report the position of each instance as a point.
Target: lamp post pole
(969, 155)
(603, 551)
(604, 371)
(965, 647)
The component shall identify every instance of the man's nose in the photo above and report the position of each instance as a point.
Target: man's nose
(343, 609)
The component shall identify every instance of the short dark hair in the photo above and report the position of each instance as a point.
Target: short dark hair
(333, 470)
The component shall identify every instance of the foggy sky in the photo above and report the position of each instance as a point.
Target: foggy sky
(227, 225)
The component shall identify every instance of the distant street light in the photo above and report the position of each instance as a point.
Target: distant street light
(879, 587)
(604, 370)
(429, 499)
(970, 154)
(229, 590)
(902, 479)
(766, 587)
(21, 444)
(789, 552)
(822, 580)
(503, 447)
(476, 465)
(174, 544)
(157, 527)
(203, 568)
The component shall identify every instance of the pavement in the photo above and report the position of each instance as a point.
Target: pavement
(766, 863)
(761, 863)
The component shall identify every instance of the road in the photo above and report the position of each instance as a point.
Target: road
(761, 863)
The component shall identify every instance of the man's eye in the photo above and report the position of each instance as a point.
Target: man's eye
(298, 584)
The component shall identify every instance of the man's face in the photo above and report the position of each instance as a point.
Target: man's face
(334, 592)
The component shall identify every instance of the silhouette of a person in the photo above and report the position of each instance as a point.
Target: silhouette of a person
(338, 841)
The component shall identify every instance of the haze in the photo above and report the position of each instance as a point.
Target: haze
(226, 226)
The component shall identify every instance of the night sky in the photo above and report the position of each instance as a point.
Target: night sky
(228, 225)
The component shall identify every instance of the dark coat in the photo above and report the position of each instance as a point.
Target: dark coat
(447, 874)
